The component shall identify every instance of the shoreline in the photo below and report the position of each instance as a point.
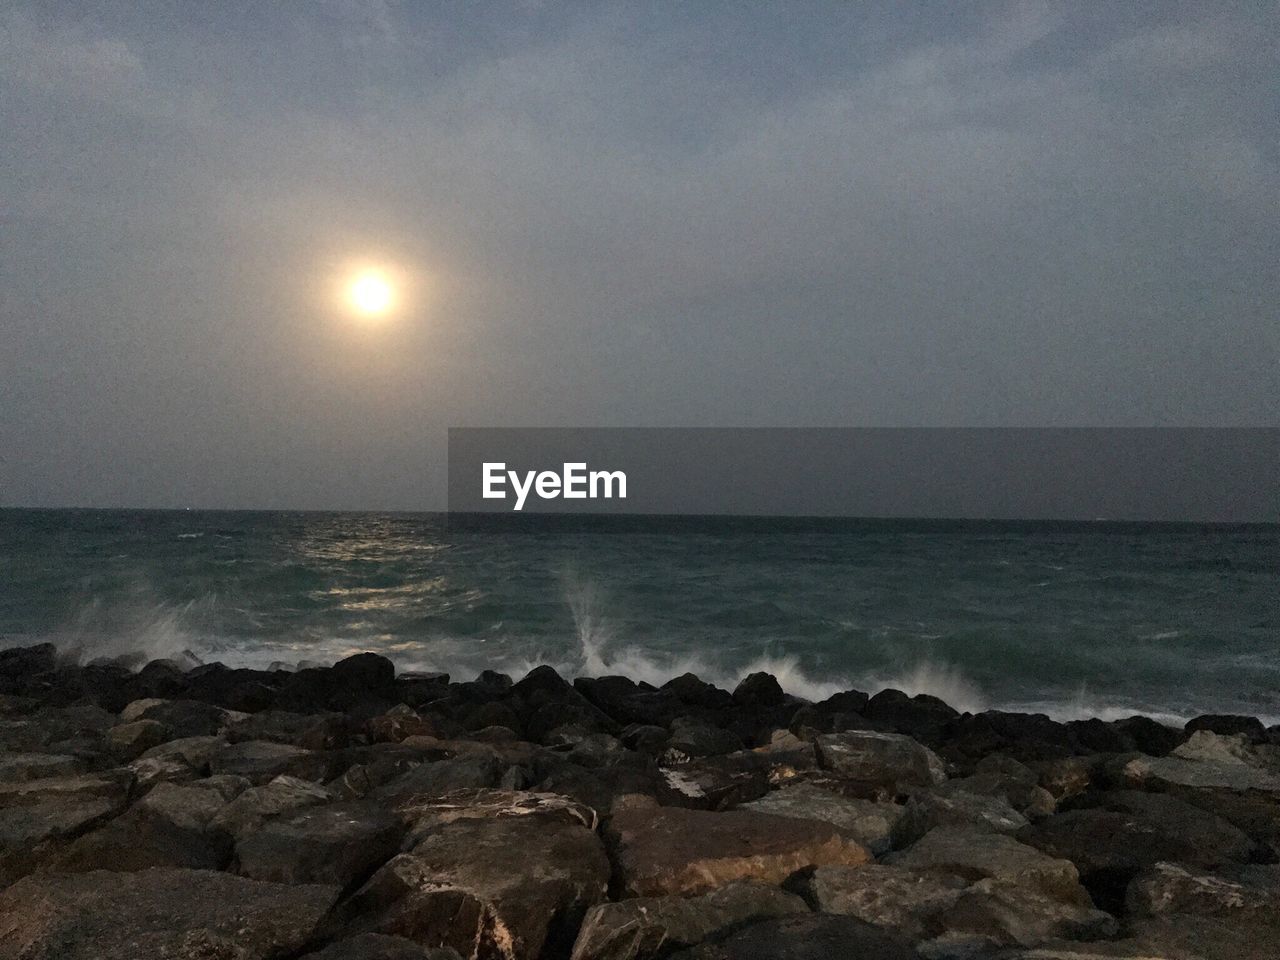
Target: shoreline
(355, 811)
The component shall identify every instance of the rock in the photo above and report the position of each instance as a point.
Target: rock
(1004, 777)
(1257, 814)
(924, 811)
(759, 690)
(397, 724)
(1251, 892)
(715, 783)
(194, 752)
(1250, 728)
(648, 927)
(1205, 746)
(444, 776)
(804, 937)
(38, 817)
(28, 661)
(631, 703)
(490, 887)
(157, 914)
(866, 821)
(902, 899)
(366, 671)
(426, 814)
(19, 767)
(1128, 831)
(1028, 737)
(872, 757)
(1149, 736)
(193, 805)
(184, 718)
(974, 854)
(1165, 772)
(141, 838)
(130, 740)
(923, 717)
(995, 912)
(691, 737)
(666, 850)
(1191, 937)
(377, 946)
(339, 844)
(831, 715)
(260, 761)
(247, 812)
(692, 692)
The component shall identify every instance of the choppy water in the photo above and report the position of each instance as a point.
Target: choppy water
(1074, 619)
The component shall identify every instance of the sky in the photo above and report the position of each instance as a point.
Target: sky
(703, 214)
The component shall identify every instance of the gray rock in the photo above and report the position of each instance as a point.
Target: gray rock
(1208, 747)
(142, 838)
(130, 740)
(805, 937)
(1161, 772)
(247, 812)
(692, 737)
(18, 767)
(443, 776)
(660, 851)
(997, 912)
(261, 760)
(924, 811)
(174, 914)
(646, 927)
(193, 805)
(869, 822)
(873, 757)
(1234, 892)
(903, 899)
(195, 752)
(975, 854)
(339, 843)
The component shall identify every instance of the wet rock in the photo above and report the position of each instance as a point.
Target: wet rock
(261, 760)
(899, 898)
(19, 767)
(194, 752)
(1166, 772)
(804, 937)
(398, 724)
(660, 851)
(1004, 777)
(1149, 736)
(158, 913)
(366, 671)
(1205, 746)
(691, 737)
(924, 811)
(759, 690)
(377, 946)
(974, 854)
(1028, 737)
(645, 738)
(1192, 937)
(461, 886)
(693, 692)
(444, 776)
(1234, 892)
(1229, 725)
(130, 740)
(873, 757)
(28, 661)
(248, 811)
(869, 822)
(141, 838)
(339, 844)
(647, 927)
(923, 717)
(1128, 831)
(830, 715)
(184, 718)
(715, 783)
(995, 912)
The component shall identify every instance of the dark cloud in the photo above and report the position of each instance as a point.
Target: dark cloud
(814, 214)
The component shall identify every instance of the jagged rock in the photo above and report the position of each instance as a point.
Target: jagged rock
(759, 690)
(19, 767)
(1250, 728)
(378, 946)
(193, 752)
(490, 887)
(831, 715)
(130, 740)
(142, 838)
(976, 854)
(924, 811)
(631, 703)
(869, 822)
(873, 757)
(311, 731)
(1205, 746)
(1004, 777)
(426, 814)
(996, 912)
(691, 737)
(804, 937)
(260, 761)
(1129, 830)
(193, 805)
(1257, 814)
(28, 661)
(38, 817)
(367, 671)
(922, 717)
(693, 692)
(444, 776)
(184, 718)
(397, 724)
(157, 914)
(645, 738)
(667, 850)
(1164, 772)
(648, 927)
(1251, 892)
(339, 843)
(899, 898)
(715, 783)
(248, 811)
(1024, 736)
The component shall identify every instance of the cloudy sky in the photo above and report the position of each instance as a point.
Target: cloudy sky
(717, 214)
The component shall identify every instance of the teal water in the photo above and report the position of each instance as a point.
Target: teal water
(1074, 619)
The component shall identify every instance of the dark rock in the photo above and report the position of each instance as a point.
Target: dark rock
(1241, 893)
(1228, 724)
(923, 716)
(826, 716)
(311, 731)
(649, 927)
(692, 737)
(1098, 736)
(246, 813)
(185, 718)
(895, 897)
(1026, 737)
(397, 725)
(142, 838)
(1149, 736)
(660, 851)
(157, 913)
(20, 767)
(366, 671)
(649, 740)
(28, 661)
(692, 692)
(377, 946)
(991, 912)
(759, 690)
(869, 822)
(924, 811)
(339, 843)
(262, 760)
(871, 757)
(1004, 777)
(631, 703)
(444, 776)
(128, 741)
(805, 937)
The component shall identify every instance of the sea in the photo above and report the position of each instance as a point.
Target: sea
(1069, 619)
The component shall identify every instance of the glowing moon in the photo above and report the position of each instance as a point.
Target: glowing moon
(371, 293)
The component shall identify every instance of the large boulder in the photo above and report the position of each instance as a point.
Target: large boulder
(339, 844)
(17, 767)
(261, 761)
(647, 927)
(177, 914)
(881, 759)
(1241, 893)
(1163, 773)
(869, 822)
(503, 886)
(813, 936)
(996, 913)
(660, 851)
(923, 717)
(900, 898)
(924, 811)
(693, 737)
(975, 854)
(184, 718)
(248, 811)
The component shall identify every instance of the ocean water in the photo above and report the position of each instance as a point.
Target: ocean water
(1092, 619)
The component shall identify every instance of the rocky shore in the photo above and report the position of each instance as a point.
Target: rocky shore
(333, 813)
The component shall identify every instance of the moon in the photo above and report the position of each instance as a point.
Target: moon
(371, 293)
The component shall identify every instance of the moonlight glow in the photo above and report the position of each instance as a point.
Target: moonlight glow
(371, 293)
